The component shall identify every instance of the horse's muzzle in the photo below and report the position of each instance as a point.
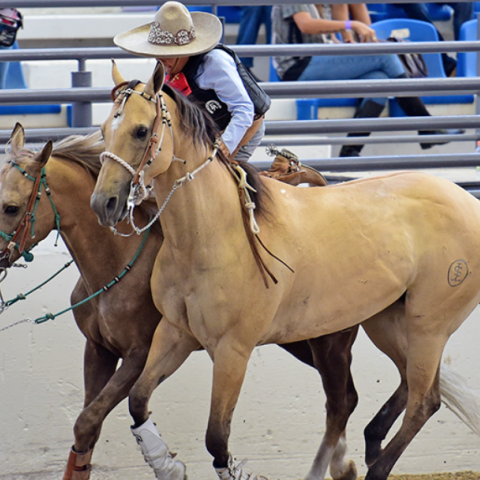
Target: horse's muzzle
(110, 210)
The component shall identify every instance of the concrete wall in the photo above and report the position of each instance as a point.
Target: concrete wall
(277, 424)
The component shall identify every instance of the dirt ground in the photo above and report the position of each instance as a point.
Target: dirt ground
(468, 475)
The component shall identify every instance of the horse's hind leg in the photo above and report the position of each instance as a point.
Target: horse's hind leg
(332, 358)
(387, 330)
(423, 360)
(378, 428)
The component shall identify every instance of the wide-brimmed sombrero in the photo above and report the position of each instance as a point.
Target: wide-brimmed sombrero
(175, 32)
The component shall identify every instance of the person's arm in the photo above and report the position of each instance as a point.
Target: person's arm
(309, 25)
(220, 74)
(359, 11)
(340, 11)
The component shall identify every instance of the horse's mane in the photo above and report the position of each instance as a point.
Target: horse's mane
(83, 150)
(205, 131)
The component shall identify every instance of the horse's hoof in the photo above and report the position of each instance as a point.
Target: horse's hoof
(350, 473)
(234, 471)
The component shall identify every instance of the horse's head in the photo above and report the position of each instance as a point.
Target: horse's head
(25, 218)
(134, 132)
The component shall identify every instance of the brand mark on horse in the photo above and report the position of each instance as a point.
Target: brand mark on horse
(457, 272)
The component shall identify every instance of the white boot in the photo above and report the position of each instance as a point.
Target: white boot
(234, 471)
(156, 453)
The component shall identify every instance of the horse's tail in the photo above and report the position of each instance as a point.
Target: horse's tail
(459, 398)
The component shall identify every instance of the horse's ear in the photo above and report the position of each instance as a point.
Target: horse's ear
(17, 138)
(155, 83)
(116, 75)
(43, 157)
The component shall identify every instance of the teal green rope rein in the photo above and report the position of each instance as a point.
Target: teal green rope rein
(51, 316)
(23, 296)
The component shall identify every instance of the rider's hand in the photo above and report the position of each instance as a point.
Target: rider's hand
(224, 149)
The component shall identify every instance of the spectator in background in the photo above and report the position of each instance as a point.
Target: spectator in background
(10, 23)
(303, 23)
(251, 20)
(462, 12)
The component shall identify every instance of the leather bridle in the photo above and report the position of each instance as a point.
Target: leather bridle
(18, 238)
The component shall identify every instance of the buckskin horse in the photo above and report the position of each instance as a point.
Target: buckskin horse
(119, 323)
(399, 250)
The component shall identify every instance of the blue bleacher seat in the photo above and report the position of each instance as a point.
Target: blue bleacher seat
(467, 61)
(476, 7)
(16, 80)
(419, 32)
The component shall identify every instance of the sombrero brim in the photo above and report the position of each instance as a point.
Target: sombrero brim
(208, 30)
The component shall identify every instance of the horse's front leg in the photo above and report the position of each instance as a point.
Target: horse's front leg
(99, 366)
(230, 359)
(332, 358)
(169, 350)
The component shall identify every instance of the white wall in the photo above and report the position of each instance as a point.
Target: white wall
(277, 424)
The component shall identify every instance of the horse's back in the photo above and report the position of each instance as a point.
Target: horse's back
(377, 238)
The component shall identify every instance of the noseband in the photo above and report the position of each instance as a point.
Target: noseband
(18, 238)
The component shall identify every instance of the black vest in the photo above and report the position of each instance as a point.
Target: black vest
(208, 99)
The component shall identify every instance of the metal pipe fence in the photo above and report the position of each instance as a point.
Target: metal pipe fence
(155, 3)
(82, 95)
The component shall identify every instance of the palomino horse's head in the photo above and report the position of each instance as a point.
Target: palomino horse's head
(24, 219)
(137, 128)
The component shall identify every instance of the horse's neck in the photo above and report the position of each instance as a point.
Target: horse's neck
(97, 252)
(204, 209)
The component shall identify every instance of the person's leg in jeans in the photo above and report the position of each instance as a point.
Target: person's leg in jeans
(462, 12)
(372, 67)
(250, 23)
(245, 152)
(367, 108)
(351, 67)
(3, 74)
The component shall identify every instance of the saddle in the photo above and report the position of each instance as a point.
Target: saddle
(287, 168)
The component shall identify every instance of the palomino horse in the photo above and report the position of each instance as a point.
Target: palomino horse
(399, 250)
(120, 323)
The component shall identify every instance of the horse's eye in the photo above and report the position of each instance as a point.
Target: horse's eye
(11, 209)
(142, 133)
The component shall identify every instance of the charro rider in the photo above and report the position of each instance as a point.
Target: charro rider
(206, 71)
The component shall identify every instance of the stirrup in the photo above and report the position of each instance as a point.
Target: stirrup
(287, 168)
(234, 471)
